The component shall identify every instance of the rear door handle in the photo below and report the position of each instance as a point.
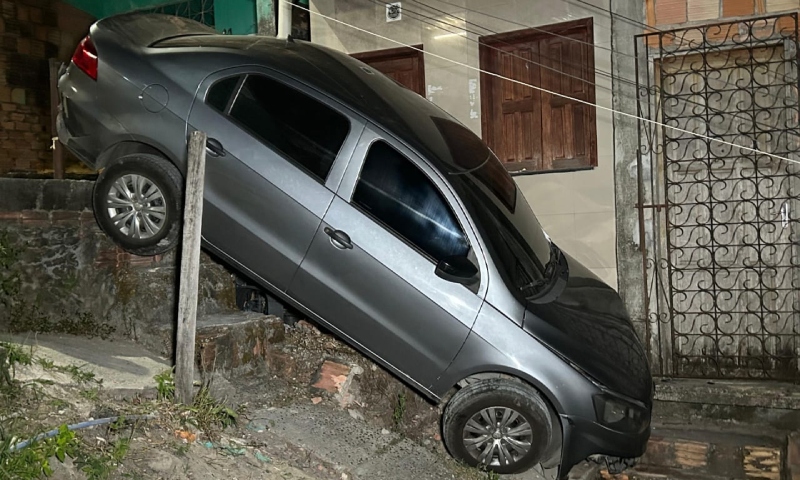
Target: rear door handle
(214, 148)
(339, 239)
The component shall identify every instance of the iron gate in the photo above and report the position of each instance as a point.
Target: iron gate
(719, 224)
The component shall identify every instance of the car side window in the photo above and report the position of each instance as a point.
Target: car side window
(303, 129)
(220, 93)
(400, 196)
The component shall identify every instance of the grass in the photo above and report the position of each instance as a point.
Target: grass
(399, 409)
(206, 413)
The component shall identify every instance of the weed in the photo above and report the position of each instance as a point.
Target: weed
(399, 409)
(34, 460)
(46, 363)
(90, 394)
(10, 356)
(182, 450)
(78, 374)
(165, 385)
(100, 466)
(208, 414)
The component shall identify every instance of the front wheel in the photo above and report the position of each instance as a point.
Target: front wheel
(499, 424)
(137, 202)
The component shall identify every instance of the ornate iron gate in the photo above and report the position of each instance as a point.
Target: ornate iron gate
(720, 224)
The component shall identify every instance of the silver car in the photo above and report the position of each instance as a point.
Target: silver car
(376, 214)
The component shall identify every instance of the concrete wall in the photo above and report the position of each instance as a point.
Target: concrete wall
(72, 277)
(32, 31)
(576, 208)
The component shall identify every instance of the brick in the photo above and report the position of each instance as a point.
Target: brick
(62, 217)
(2, 25)
(37, 49)
(7, 125)
(691, 454)
(24, 46)
(331, 376)
(703, 10)
(10, 217)
(22, 127)
(23, 13)
(5, 94)
(669, 12)
(738, 8)
(782, 5)
(763, 463)
(41, 33)
(19, 96)
(36, 15)
(35, 218)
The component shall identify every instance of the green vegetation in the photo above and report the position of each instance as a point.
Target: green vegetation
(399, 409)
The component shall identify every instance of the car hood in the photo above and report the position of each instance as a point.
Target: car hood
(588, 325)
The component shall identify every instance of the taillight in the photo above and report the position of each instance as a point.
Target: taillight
(85, 58)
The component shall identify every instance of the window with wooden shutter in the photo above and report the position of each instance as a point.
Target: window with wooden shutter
(531, 130)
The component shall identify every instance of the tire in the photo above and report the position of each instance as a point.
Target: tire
(147, 193)
(470, 411)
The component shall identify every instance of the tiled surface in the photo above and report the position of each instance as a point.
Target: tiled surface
(669, 12)
(703, 10)
(781, 5)
(738, 8)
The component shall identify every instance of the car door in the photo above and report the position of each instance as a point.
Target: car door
(275, 155)
(369, 272)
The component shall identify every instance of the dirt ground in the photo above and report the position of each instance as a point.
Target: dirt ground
(196, 441)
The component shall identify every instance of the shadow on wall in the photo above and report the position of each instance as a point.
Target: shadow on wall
(60, 273)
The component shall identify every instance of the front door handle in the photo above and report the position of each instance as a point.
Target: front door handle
(214, 148)
(339, 239)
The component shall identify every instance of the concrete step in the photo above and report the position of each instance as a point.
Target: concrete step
(768, 406)
(686, 452)
(229, 341)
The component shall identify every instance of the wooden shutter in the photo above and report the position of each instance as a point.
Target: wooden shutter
(405, 65)
(528, 129)
(569, 131)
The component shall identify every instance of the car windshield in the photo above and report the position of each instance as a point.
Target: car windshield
(514, 236)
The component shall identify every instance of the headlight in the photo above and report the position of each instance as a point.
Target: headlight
(620, 415)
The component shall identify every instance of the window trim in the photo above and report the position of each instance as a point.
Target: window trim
(352, 123)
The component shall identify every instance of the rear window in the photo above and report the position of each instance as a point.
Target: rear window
(306, 131)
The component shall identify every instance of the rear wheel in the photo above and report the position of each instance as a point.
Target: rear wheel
(137, 202)
(499, 424)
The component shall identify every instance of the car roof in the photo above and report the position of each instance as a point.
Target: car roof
(448, 145)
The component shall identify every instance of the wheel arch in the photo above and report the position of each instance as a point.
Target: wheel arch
(554, 449)
(128, 147)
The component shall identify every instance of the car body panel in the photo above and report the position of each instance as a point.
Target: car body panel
(399, 298)
(259, 207)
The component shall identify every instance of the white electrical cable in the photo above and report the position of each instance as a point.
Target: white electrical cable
(561, 95)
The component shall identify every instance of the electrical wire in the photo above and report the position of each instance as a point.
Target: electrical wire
(650, 89)
(541, 89)
(547, 32)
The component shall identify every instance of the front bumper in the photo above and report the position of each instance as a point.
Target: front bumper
(583, 438)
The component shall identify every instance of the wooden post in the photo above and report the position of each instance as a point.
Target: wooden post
(190, 268)
(58, 149)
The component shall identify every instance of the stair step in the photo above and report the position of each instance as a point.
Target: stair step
(690, 453)
(642, 473)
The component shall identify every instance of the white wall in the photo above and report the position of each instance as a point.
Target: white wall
(576, 208)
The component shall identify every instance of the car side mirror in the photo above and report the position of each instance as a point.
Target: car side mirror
(458, 270)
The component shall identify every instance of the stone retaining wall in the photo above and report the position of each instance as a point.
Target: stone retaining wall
(64, 274)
